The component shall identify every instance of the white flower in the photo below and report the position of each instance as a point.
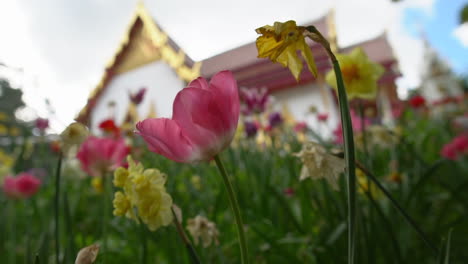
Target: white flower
(319, 164)
(201, 228)
(87, 255)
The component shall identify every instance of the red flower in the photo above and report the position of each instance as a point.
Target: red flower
(108, 126)
(417, 101)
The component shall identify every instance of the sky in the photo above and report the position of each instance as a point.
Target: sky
(61, 47)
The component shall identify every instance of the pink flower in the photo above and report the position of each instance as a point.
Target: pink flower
(357, 122)
(458, 146)
(138, 97)
(203, 123)
(300, 127)
(323, 117)
(101, 155)
(289, 192)
(42, 124)
(254, 100)
(22, 186)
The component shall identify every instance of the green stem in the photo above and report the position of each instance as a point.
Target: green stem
(106, 181)
(408, 219)
(188, 245)
(316, 36)
(235, 209)
(349, 158)
(57, 206)
(388, 225)
(144, 242)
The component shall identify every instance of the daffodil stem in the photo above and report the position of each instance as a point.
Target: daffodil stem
(316, 36)
(235, 209)
(57, 207)
(349, 159)
(190, 249)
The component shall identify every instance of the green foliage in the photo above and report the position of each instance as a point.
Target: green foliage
(464, 14)
(305, 226)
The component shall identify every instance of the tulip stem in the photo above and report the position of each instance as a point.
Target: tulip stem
(56, 205)
(316, 36)
(235, 209)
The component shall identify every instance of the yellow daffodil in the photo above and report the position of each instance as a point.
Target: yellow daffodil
(365, 185)
(96, 182)
(73, 135)
(200, 228)
(281, 42)
(360, 75)
(319, 164)
(144, 195)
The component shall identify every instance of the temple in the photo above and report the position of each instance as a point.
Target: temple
(148, 57)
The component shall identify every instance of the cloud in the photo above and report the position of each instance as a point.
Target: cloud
(461, 33)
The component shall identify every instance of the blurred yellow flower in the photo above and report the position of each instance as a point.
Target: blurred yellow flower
(196, 182)
(120, 177)
(281, 42)
(122, 205)
(377, 136)
(360, 75)
(144, 194)
(96, 182)
(73, 135)
(319, 164)
(365, 185)
(200, 228)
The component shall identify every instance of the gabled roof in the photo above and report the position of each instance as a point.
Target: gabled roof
(251, 71)
(248, 70)
(144, 42)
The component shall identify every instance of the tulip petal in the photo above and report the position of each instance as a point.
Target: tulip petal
(197, 113)
(165, 137)
(224, 87)
(200, 83)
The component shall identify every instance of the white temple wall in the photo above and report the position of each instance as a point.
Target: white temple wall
(162, 85)
(301, 98)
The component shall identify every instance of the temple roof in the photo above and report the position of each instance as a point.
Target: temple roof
(145, 34)
(144, 42)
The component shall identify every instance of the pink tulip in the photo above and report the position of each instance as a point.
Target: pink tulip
(203, 123)
(322, 117)
(42, 124)
(9, 186)
(101, 155)
(457, 147)
(22, 186)
(357, 123)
